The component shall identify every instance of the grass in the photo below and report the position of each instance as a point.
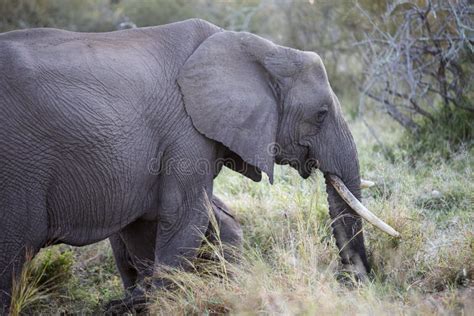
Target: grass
(290, 261)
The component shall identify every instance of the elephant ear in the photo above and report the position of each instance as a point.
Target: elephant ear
(227, 93)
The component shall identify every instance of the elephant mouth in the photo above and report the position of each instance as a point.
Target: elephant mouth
(357, 206)
(310, 164)
(304, 167)
(304, 173)
(308, 167)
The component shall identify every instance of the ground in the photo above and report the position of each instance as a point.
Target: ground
(290, 261)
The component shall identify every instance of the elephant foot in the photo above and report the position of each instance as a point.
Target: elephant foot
(131, 305)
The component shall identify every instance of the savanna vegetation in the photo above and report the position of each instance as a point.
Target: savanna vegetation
(403, 73)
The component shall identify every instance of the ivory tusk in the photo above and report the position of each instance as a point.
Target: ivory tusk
(365, 184)
(360, 209)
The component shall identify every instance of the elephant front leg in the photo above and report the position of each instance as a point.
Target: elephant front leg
(180, 232)
(123, 261)
(182, 222)
(134, 249)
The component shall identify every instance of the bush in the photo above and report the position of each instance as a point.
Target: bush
(54, 267)
(451, 131)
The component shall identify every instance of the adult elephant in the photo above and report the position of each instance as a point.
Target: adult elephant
(101, 131)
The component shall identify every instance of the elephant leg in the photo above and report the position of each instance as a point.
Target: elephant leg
(178, 237)
(123, 260)
(183, 220)
(134, 252)
(175, 248)
(230, 232)
(139, 240)
(12, 260)
(181, 217)
(22, 234)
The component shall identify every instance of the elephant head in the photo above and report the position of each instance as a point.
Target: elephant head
(273, 104)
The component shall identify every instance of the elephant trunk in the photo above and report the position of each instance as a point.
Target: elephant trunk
(347, 225)
(337, 158)
(346, 212)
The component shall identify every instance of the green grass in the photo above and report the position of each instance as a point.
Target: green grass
(290, 261)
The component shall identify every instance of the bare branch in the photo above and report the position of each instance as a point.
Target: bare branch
(413, 58)
(396, 114)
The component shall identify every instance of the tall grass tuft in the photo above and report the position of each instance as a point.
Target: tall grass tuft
(40, 279)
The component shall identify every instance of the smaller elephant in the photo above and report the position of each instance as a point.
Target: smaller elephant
(230, 234)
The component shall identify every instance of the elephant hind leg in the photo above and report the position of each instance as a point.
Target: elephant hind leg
(13, 255)
(23, 231)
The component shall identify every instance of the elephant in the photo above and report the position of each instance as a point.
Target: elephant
(229, 236)
(124, 132)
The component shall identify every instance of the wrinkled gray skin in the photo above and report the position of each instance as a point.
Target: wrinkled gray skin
(124, 132)
(133, 269)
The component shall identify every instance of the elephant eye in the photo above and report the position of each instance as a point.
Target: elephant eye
(321, 115)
